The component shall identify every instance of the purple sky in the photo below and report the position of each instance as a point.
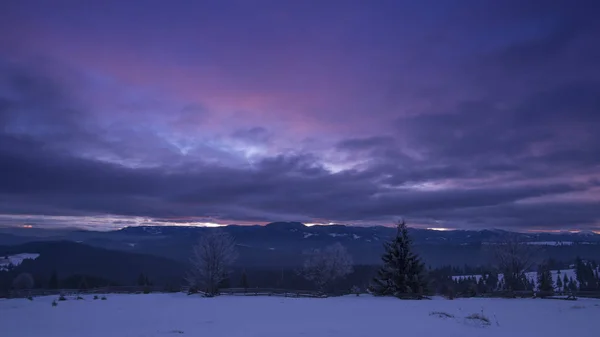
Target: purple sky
(457, 114)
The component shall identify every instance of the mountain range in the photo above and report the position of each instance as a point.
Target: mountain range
(281, 244)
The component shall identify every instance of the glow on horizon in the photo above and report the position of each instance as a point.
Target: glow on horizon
(188, 224)
(114, 222)
(319, 224)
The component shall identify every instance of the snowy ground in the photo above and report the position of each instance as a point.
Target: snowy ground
(179, 314)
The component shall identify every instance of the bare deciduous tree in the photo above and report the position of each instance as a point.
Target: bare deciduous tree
(513, 258)
(322, 267)
(23, 281)
(211, 259)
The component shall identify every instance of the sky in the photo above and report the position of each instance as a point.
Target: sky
(449, 114)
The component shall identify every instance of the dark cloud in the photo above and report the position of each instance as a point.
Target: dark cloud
(369, 143)
(485, 116)
(256, 135)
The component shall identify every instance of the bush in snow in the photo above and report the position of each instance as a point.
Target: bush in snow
(441, 314)
(103, 298)
(62, 298)
(95, 297)
(54, 303)
(479, 317)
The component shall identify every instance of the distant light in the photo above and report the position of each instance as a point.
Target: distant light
(27, 226)
(441, 229)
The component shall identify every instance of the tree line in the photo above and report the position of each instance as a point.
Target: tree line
(402, 273)
(331, 270)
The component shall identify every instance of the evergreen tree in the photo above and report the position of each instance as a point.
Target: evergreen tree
(572, 285)
(141, 280)
(544, 279)
(53, 283)
(402, 272)
(566, 282)
(244, 280)
(559, 283)
(492, 282)
(83, 283)
(530, 284)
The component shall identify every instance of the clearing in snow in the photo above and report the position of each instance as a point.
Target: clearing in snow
(348, 316)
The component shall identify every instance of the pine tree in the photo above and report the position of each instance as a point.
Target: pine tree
(492, 282)
(566, 282)
(402, 272)
(529, 284)
(83, 283)
(244, 280)
(544, 279)
(141, 280)
(53, 283)
(572, 285)
(559, 283)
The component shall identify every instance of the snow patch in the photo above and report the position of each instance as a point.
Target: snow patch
(551, 243)
(356, 237)
(335, 235)
(16, 260)
(308, 235)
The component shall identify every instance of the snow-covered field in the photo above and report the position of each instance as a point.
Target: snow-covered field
(351, 316)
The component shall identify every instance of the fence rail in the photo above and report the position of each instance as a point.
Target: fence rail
(537, 294)
(267, 292)
(158, 289)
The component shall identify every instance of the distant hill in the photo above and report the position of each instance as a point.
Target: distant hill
(280, 244)
(70, 258)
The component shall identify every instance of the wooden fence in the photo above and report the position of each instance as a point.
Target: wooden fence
(267, 292)
(537, 294)
(157, 289)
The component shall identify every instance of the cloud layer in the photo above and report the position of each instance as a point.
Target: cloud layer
(462, 115)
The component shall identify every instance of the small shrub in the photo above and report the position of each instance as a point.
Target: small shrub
(54, 303)
(30, 298)
(79, 297)
(62, 298)
(441, 314)
(95, 297)
(479, 317)
(103, 298)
